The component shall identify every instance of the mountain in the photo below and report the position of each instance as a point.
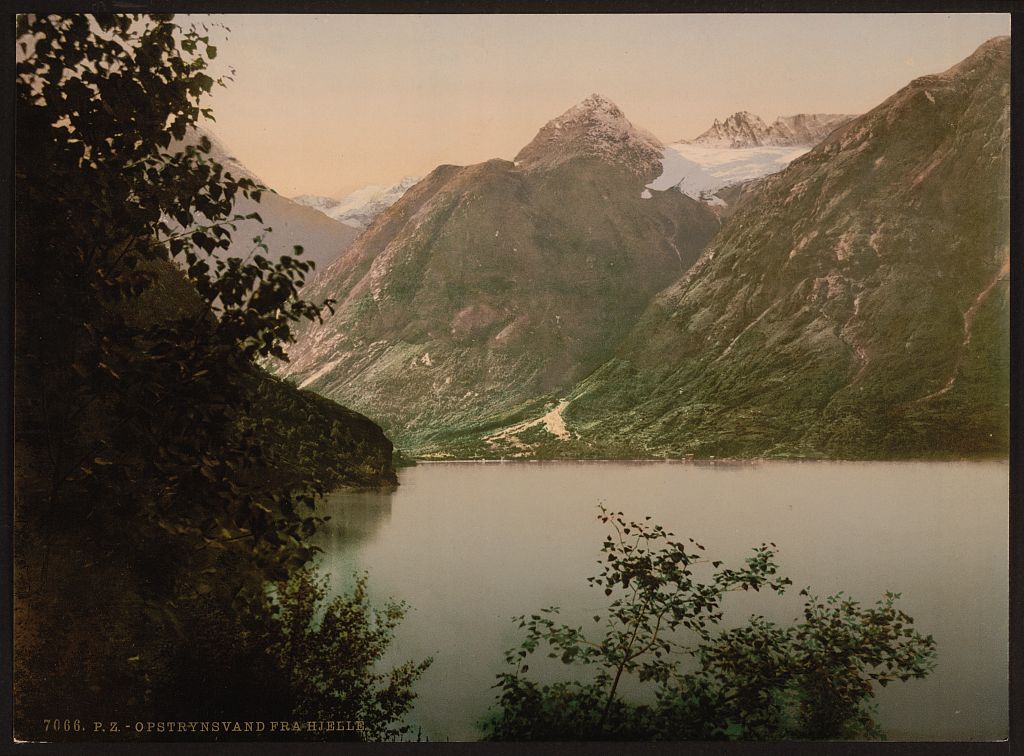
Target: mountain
(744, 129)
(595, 128)
(291, 223)
(359, 208)
(739, 149)
(488, 290)
(856, 305)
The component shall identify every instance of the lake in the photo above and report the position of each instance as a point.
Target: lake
(469, 545)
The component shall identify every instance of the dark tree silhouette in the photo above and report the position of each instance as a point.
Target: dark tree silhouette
(154, 499)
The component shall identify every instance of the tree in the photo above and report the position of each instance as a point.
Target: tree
(307, 657)
(109, 333)
(150, 498)
(758, 681)
(330, 649)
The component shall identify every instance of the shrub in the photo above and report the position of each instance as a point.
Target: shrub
(814, 679)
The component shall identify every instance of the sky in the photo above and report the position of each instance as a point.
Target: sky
(326, 104)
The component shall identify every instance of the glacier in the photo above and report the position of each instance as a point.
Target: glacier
(699, 171)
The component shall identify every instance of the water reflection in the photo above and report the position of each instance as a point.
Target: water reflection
(355, 516)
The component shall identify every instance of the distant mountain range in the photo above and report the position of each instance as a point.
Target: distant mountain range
(291, 223)
(744, 129)
(824, 286)
(359, 208)
(856, 306)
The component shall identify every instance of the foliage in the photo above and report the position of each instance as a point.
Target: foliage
(297, 656)
(307, 432)
(330, 649)
(814, 679)
(99, 102)
(150, 487)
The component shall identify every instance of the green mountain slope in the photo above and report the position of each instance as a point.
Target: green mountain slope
(488, 290)
(855, 306)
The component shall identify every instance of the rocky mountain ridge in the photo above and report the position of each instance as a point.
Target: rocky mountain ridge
(744, 129)
(322, 238)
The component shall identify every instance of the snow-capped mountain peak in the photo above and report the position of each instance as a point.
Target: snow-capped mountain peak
(595, 127)
(741, 129)
(361, 206)
(738, 149)
(745, 129)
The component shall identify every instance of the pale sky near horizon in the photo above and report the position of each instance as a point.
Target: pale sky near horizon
(326, 104)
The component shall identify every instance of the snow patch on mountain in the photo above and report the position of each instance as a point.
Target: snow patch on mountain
(699, 171)
(361, 206)
(740, 148)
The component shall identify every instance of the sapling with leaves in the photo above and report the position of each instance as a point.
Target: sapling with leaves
(661, 627)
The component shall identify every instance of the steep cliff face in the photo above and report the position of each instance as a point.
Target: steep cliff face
(487, 290)
(855, 305)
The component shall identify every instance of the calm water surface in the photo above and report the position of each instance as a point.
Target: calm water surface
(469, 545)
